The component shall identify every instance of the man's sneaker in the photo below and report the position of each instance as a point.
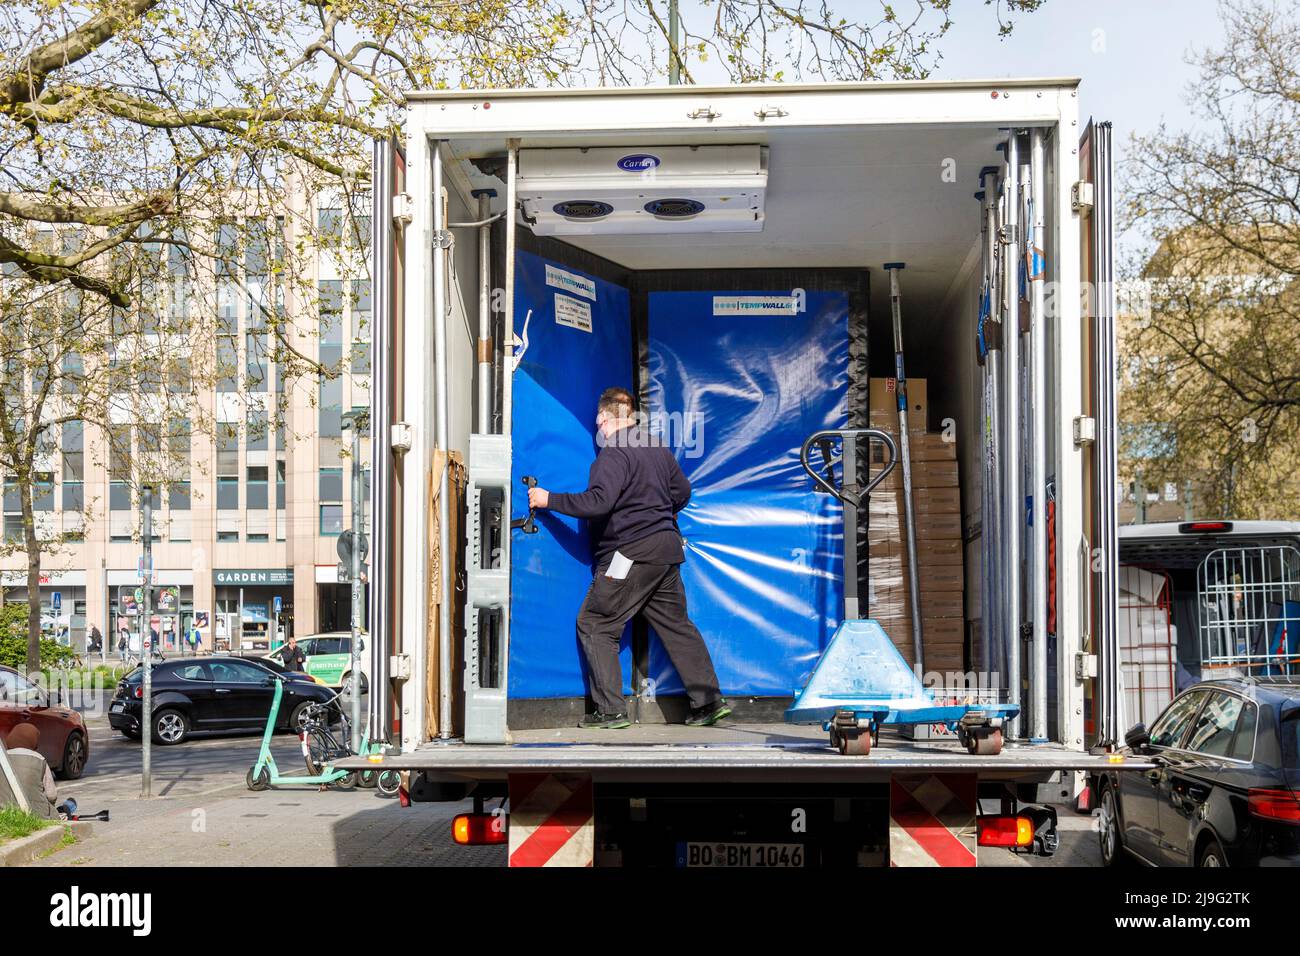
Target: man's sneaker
(708, 714)
(599, 721)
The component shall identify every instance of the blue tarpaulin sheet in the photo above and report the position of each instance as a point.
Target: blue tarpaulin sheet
(739, 380)
(577, 335)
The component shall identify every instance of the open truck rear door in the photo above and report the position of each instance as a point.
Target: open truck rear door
(388, 180)
(1098, 663)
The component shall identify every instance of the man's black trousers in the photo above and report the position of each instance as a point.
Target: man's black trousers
(654, 590)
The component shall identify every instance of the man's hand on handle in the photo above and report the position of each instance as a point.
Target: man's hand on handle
(538, 498)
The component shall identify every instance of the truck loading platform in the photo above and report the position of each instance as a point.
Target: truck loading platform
(739, 752)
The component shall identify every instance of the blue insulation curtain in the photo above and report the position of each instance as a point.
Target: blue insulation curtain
(578, 341)
(743, 379)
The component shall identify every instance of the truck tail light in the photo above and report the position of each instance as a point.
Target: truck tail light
(480, 829)
(139, 692)
(1006, 831)
(1281, 805)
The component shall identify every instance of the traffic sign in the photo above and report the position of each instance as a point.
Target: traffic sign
(344, 546)
(56, 601)
(277, 603)
(345, 574)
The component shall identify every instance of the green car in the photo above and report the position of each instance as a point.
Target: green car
(329, 659)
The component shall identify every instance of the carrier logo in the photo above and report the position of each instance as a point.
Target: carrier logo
(638, 163)
(75, 909)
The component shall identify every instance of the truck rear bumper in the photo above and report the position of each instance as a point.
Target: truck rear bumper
(740, 753)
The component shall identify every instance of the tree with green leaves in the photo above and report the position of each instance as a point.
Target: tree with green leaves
(1211, 382)
(148, 146)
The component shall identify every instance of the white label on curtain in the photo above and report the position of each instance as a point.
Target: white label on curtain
(571, 282)
(755, 305)
(574, 313)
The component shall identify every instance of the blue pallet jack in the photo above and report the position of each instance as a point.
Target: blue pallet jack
(861, 683)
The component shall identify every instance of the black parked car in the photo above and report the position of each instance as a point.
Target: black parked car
(1226, 790)
(211, 694)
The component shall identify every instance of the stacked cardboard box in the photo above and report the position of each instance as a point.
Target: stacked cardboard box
(936, 495)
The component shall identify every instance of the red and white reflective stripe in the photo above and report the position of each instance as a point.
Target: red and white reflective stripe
(932, 819)
(552, 822)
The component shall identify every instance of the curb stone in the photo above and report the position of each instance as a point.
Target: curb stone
(26, 849)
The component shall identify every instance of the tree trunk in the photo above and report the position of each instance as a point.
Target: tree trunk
(33, 582)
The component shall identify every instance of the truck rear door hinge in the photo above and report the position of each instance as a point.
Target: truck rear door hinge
(402, 210)
(1007, 234)
(399, 666)
(1085, 666)
(400, 437)
(704, 113)
(1085, 430)
(1081, 196)
(763, 112)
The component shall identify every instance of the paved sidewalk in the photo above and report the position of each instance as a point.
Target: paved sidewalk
(300, 827)
(202, 814)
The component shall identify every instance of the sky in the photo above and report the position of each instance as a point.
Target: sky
(1131, 54)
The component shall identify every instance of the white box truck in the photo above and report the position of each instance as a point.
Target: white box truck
(720, 251)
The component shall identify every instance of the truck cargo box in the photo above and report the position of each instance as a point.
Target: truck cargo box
(740, 333)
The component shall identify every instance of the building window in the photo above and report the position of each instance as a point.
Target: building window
(13, 517)
(178, 379)
(74, 450)
(331, 484)
(43, 492)
(331, 520)
(361, 317)
(258, 438)
(255, 491)
(119, 496)
(120, 520)
(225, 537)
(119, 452)
(227, 494)
(279, 486)
(257, 538)
(74, 496)
(178, 446)
(227, 449)
(329, 225)
(74, 370)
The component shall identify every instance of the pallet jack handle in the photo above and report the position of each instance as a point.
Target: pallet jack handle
(850, 496)
(529, 524)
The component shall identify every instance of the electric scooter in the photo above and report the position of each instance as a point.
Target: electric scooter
(264, 774)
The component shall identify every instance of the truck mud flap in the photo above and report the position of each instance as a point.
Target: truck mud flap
(932, 819)
(552, 820)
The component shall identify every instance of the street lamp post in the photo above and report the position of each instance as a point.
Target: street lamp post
(146, 648)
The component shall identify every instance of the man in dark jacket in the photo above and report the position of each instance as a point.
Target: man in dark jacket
(634, 490)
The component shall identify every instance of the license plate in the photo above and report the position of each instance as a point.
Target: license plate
(766, 855)
(117, 705)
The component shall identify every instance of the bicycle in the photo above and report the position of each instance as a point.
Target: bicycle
(321, 748)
